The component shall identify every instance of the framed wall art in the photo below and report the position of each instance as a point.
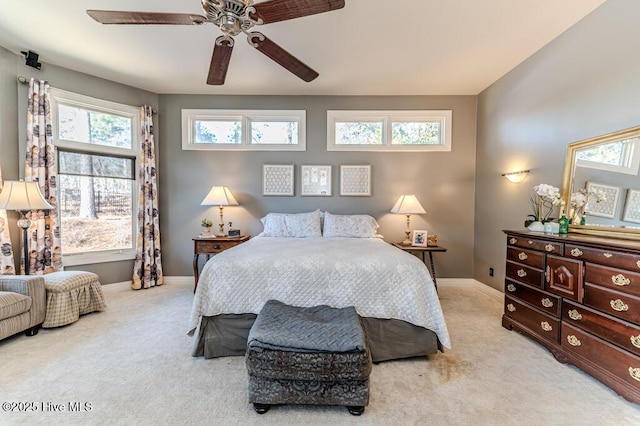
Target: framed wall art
(316, 180)
(605, 208)
(277, 179)
(632, 206)
(355, 180)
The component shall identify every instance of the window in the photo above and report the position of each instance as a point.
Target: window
(389, 130)
(619, 156)
(96, 144)
(249, 130)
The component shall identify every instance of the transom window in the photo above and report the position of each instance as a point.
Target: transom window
(252, 130)
(619, 156)
(96, 151)
(389, 130)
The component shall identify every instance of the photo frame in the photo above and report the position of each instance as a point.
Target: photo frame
(315, 180)
(420, 238)
(355, 180)
(632, 206)
(277, 180)
(606, 208)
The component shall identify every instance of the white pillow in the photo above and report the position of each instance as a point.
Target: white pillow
(298, 225)
(353, 225)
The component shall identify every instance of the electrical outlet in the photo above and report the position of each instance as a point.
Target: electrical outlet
(490, 272)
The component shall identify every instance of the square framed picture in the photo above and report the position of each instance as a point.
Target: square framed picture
(277, 179)
(632, 206)
(316, 180)
(355, 180)
(419, 239)
(605, 208)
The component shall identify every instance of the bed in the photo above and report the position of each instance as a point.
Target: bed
(391, 290)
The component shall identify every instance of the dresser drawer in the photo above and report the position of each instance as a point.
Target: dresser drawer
(618, 362)
(526, 257)
(542, 300)
(617, 279)
(613, 302)
(541, 245)
(525, 274)
(542, 324)
(614, 330)
(627, 261)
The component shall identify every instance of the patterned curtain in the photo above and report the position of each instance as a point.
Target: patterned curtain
(6, 252)
(45, 254)
(147, 271)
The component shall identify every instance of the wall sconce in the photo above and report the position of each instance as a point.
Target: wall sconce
(516, 177)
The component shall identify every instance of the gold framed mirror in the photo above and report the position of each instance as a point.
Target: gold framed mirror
(601, 179)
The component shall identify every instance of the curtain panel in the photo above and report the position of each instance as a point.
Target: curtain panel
(6, 252)
(45, 252)
(147, 270)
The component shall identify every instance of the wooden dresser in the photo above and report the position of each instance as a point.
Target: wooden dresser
(579, 296)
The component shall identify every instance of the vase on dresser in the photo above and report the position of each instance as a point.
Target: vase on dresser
(536, 226)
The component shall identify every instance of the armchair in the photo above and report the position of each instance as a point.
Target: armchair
(22, 304)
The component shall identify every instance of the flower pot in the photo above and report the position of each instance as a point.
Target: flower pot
(536, 226)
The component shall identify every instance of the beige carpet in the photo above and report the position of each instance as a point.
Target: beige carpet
(131, 365)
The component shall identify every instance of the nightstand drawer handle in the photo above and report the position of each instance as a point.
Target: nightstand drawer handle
(573, 340)
(545, 326)
(575, 315)
(522, 273)
(523, 256)
(620, 280)
(635, 341)
(619, 305)
(216, 247)
(549, 247)
(513, 241)
(634, 373)
(576, 252)
(511, 308)
(546, 302)
(511, 288)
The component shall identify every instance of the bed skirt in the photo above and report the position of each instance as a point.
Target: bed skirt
(226, 335)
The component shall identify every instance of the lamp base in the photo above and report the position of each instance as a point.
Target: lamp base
(406, 242)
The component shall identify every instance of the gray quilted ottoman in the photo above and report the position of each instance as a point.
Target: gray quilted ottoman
(314, 355)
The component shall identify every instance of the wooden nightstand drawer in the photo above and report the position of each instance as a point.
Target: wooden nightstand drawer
(213, 247)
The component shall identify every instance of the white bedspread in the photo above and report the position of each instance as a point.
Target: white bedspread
(375, 277)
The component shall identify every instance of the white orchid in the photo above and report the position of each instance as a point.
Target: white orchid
(580, 199)
(547, 197)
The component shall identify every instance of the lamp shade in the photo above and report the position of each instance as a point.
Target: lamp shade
(23, 196)
(219, 196)
(408, 204)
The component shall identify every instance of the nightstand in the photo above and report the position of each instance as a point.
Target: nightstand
(212, 246)
(423, 250)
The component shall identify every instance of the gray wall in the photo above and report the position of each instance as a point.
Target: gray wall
(583, 84)
(13, 124)
(443, 181)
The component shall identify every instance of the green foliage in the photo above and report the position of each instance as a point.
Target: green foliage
(206, 223)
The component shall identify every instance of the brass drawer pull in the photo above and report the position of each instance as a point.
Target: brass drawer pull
(573, 340)
(546, 302)
(530, 242)
(620, 280)
(545, 326)
(608, 255)
(638, 263)
(513, 240)
(634, 373)
(511, 308)
(549, 247)
(575, 315)
(635, 341)
(576, 252)
(522, 273)
(547, 274)
(511, 288)
(523, 256)
(619, 305)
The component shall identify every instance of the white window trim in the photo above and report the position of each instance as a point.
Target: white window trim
(386, 118)
(246, 116)
(632, 160)
(73, 99)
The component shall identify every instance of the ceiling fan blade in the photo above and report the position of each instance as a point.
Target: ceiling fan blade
(126, 17)
(282, 10)
(220, 61)
(282, 57)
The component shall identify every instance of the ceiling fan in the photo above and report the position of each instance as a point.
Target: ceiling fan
(234, 17)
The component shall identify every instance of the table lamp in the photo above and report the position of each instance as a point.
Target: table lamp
(408, 205)
(219, 196)
(23, 197)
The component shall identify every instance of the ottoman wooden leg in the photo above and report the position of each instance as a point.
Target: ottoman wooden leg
(355, 410)
(261, 408)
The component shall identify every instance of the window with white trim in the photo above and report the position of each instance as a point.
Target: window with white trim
(389, 130)
(96, 148)
(248, 130)
(618, 156)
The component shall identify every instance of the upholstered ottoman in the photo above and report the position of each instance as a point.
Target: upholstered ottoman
(312, 355)
(71, 294)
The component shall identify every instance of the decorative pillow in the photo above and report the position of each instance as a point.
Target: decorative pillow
(298, 225)
(353, 225)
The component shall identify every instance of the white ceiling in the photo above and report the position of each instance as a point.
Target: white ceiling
(371, 47)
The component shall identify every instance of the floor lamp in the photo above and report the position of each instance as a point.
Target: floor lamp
(23, 197)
